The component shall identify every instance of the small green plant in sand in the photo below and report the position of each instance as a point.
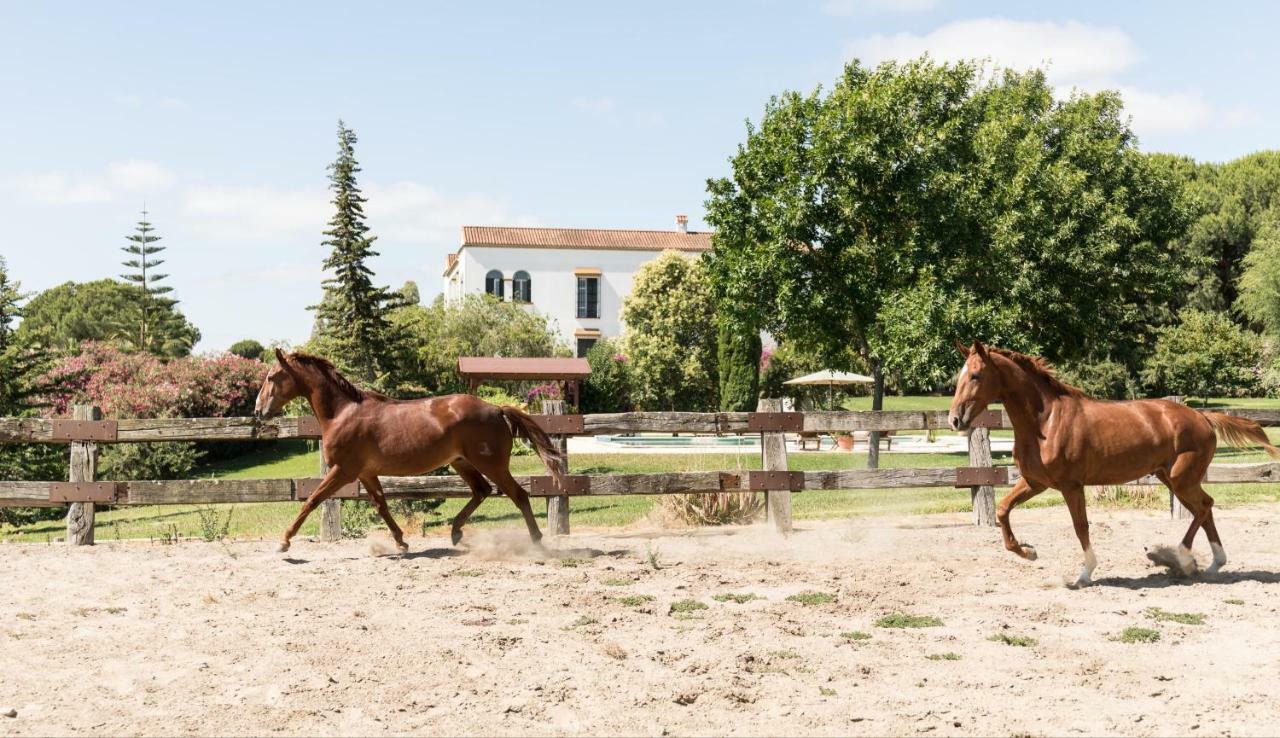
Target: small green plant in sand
(903, 620)
(855, 635)
(1138, 635)
(1233, 601)
(213, 527)
(651, 557)
(686, 607)
(634, 600)
(571, 563)
(1013, 640)
(812, 598)
(740, 598)
(583, 620)
(1185, 618)
(826, 692)
(948, 656)
(618, 582)
(468, 573)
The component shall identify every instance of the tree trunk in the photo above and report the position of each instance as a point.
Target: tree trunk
(877, 404)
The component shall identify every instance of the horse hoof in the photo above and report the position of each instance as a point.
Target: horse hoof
(455, 536)
(1029, 552)
(404, 547)
(283, 547)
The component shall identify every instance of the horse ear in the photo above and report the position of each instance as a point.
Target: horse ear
(280, 357)
(982, 350)
(964, 350)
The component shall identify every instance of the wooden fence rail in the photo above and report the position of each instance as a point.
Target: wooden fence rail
(86, 431)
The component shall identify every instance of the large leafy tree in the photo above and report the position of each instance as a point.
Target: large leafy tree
(670, 340)
(919, 202)
(476, 325)
(1259, 286)
(352, 326)
(71, 313)
(1235, 204)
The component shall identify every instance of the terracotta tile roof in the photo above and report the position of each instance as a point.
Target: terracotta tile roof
(492, 367)
(585, 238)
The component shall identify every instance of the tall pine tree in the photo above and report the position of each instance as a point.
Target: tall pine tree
(352, 328)
(739, 360)
(145, 327)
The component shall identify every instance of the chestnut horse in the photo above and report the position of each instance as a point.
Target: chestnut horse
(1065, 440)
(366, 435)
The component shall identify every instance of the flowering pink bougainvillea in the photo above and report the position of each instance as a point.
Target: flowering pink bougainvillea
(129, 385)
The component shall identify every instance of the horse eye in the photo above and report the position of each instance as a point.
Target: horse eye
(973, 377)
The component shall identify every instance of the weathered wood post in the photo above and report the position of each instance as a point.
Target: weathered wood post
(1176, 510)
(330, 509)
(983, 496)
(558, 506)
(773, 452)
(84, 466)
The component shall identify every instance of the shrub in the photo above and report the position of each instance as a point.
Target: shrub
(1205, 355)
(129, 385)
(247, 349)
(607, 389)
(713, 508)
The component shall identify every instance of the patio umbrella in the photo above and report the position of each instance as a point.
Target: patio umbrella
(830, 378)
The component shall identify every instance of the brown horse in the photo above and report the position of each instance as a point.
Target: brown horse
(366, 435)
(1065, 440)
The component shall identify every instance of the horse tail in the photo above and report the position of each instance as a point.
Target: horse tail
(524, 426)
(1240, 432)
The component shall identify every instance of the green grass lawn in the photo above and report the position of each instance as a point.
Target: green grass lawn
(285, 459)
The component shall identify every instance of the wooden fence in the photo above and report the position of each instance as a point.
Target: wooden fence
(86, 431)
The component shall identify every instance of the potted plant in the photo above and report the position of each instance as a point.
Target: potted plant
(844, 441)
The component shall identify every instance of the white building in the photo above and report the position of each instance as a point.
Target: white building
(577, 277)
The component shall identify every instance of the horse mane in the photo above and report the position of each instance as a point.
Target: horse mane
(330, 372)
(1038, 367)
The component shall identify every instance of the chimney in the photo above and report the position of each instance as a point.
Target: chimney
(682, 223)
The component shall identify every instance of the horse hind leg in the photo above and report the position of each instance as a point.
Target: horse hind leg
(511, 488)
(1215, 543)
(480, 489)
(1183, 480)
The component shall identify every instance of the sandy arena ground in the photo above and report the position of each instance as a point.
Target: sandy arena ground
(133, 638)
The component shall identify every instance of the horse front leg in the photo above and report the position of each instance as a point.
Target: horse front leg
(1076, 504)
(333, 480)
(1021, 492)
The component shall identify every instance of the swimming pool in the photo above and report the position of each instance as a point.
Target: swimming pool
(654, 441)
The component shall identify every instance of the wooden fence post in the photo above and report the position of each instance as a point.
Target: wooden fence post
(84, 467)
(983, 496)
(558, 506)
(1176, 510)
(330, 509)
(773, 452)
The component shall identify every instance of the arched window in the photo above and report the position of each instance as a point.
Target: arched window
(493, 283)
(521, 287)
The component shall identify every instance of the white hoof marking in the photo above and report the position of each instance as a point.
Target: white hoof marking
(1219, 558)
(1086, 573)
(1029, 552)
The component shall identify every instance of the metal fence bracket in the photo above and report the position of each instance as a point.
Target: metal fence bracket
(775, 480)
(560, 425)
(982, 476)
(545, 485)
(304, 488)
(84, 430)
(82, 492)
(773, 422)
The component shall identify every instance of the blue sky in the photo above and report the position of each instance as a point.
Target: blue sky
(221, 117)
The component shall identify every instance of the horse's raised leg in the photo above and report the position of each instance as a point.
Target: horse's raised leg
(1021, 492)
(480, 489)
(1215, 543)
(1183, 480)
(1076, 504)
(333, 480)
(379, 500)
(511, 488)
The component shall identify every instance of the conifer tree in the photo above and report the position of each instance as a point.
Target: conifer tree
(144, 327)
(352, 328)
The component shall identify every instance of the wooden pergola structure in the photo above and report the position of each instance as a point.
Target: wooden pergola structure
(568, 372)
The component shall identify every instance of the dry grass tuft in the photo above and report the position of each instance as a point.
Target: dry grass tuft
(712, 508)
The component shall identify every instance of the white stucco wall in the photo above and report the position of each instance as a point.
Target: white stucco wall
(554, 285)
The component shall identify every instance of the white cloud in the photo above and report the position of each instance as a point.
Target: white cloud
(1073, 52)
(245, 213)
(859, 7)
(601, 105)
(58, 188)
(406, 210)
(1074, 55)
(138, 174)
(55, 188)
